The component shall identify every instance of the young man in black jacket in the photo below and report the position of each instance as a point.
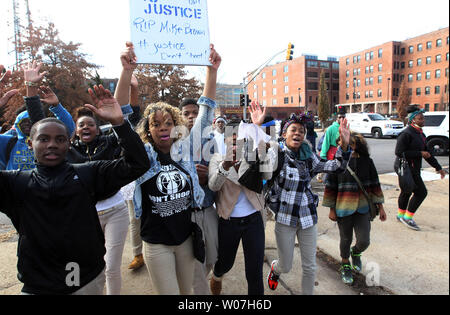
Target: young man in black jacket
(61, 244)
(412, 145)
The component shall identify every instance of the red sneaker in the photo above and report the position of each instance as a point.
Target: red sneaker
(273, 278)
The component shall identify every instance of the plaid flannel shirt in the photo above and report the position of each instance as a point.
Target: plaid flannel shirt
(291, 196)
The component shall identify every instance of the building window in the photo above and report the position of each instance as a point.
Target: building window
(371, 69)
(446, 57)
(428, 75)
(427, 90)
(419, 62)
(263, 75)
(411, 49)
(264, 84)
(264, 103)
(264, 93)
(437, 89)
(286, 89)
(428, 61)
(286, 69)
(274, 91)
(427, 107)
(367, 81)
(347, 61)
(438, 73)
(371, 55)
(274, 102)
(335, 66)
(347, 96)
(274, 72)
(439, 42)
(380, 79)
(429, 45)
(347, 84)
(418, 91)
(371, 94)
(358, 83)
(286, 79)
(380, 92)
(436, 107)
(380, 67)
(419, 76)
(286, 100)
(410, 77)
(367, 70)
(274, 82)
(438, 58)
(347, 73)
(419, 47)
(354, 59)
(410, 64)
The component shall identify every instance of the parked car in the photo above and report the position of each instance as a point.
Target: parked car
(374, 124)
(436, 131)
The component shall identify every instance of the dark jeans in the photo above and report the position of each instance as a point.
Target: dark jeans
(251, 230)
(404, 201)
(361, 224)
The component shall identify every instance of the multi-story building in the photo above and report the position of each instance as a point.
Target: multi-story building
(293, 86)
(228, 99)
(370, 80)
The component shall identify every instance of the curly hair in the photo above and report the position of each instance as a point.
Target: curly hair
(143, 128)
(360, 143)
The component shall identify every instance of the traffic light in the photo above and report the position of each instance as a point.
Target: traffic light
(242, 100)
(290, 52)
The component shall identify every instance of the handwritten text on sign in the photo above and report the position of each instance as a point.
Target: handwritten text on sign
(170, 31)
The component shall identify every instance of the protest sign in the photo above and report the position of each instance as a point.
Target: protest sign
(170, 31)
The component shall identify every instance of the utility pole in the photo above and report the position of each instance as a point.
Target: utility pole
(17, 15)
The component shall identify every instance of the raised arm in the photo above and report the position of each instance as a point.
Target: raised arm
(49, 97)
(112, 175)
(129, 64)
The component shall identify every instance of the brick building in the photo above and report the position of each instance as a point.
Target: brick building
(370, 79)
(293, 86)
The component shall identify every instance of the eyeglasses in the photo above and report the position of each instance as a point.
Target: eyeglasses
(341, 117)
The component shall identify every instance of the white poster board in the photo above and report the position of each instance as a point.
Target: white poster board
(170, 31)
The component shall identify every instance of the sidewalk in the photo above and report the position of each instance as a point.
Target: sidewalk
(404, 261)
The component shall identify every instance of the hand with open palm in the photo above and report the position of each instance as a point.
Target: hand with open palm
(106, 106)
(344, 133)
(257, 114)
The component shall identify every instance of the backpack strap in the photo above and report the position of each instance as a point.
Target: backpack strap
(9, 147)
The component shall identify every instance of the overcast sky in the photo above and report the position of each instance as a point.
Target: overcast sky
(245, 32)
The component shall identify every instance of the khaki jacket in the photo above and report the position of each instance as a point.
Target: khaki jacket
(228, 187)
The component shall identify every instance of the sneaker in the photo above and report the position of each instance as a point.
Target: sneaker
(399, 219)
(346, 274)
(356, 261)
(215, 286)
(411, 224)
(137, 262)
(272, 278)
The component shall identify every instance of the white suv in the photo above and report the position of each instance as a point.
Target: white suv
(436, 130)
(374, 124)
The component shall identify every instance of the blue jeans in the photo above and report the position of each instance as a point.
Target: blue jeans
(251, 230)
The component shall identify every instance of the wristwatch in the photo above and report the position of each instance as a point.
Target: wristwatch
(222, 171)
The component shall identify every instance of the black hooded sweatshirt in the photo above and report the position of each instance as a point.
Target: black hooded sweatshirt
(53, 210)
